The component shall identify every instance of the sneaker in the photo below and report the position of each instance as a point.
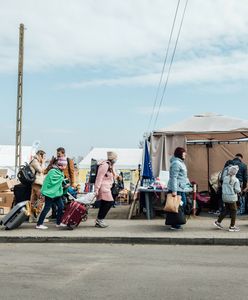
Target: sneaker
(100, 224)
(176, 228)
(41, 227)
(234, 229)
(217, 212)
(61, 225)
(218, 225)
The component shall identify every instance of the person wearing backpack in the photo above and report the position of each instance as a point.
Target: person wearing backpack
(230, 190)
(52, 189)
(37, 166)
(241, 175)
(104, 181)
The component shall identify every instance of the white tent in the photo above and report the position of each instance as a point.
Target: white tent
(127, 158)
(210, 140)
(7, 157)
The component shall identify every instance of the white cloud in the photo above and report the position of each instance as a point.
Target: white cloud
(197, 70)
(129, 36)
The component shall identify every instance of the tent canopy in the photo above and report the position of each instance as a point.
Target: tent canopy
(208, 126)
(127, 158)
(207, 138)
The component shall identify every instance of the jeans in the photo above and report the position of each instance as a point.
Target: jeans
(184, 198)
(242, 208)
(48, 204)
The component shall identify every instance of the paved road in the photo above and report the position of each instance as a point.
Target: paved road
(100, 271)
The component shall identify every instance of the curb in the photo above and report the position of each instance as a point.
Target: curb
(129, 240)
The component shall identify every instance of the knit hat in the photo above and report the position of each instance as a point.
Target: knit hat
(62, 161)
(111, 155)
(233, 170)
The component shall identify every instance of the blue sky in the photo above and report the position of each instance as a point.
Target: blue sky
(92, 67)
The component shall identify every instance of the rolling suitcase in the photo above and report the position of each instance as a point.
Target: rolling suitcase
(22, 193)
(74, 214)
(16, 216)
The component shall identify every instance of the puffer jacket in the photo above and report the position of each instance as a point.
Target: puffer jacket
(37, 168)
(230, 189)
(178, 181)
(104, 181)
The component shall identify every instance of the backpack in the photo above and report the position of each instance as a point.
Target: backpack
(94, 170)
(25, 174)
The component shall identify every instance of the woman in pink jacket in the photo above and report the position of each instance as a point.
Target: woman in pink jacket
(104, 181)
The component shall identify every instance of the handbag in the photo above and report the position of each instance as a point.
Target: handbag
(115, 189)
(172, 203)
(176, 218)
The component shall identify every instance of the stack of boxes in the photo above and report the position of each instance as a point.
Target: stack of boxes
(6, 195)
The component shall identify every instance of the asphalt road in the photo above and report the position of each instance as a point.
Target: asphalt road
(97, 271)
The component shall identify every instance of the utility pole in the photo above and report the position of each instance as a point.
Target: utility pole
(18, 149)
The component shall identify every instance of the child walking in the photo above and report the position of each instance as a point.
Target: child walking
(230, 190)
(52, 190)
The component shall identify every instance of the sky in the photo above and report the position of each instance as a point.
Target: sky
(92, 68)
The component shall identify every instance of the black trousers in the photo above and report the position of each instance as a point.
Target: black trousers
(104, 209)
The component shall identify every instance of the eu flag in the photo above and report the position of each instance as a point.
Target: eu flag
(147, 164)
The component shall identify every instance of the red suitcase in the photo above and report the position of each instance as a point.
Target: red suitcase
(74, 214)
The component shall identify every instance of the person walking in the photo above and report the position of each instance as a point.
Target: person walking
(37, 166)
(242, 177)
(104, 181)
(52, 189)
(230, 189)
(69, 173)
(178, 181)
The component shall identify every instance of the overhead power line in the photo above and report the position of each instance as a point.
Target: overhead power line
(172, 58)
(162, 72)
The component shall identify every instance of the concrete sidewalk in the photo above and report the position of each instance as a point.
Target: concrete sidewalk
(197, 231)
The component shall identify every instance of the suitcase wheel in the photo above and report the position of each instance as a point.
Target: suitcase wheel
(85, 218)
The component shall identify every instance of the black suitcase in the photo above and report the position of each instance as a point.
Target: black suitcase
(22, 193)
(16, 216)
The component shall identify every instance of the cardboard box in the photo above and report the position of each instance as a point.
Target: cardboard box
(3, 172)
(6, 199)
(4, 210)
(7, 184)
